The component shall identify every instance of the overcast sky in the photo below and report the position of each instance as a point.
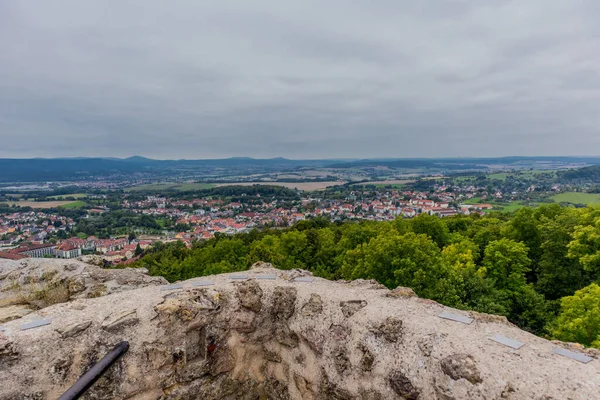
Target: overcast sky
(299, 79)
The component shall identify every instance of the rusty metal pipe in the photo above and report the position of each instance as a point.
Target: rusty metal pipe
(93, 374)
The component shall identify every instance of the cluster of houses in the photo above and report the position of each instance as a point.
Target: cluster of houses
(32, 226)
(206, 217)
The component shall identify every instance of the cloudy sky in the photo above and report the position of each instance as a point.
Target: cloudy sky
(299, 79)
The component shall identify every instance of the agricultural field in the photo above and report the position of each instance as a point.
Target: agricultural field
(577, 198)
(63, 196)
(509, 207)
(181, 187)
(501, 206)
(463, 178)
(45, 204)
(502, 176)
(532, 172)
(74, 205)
(394, 183)
(521, 174)
(306, 186)
(388, 182)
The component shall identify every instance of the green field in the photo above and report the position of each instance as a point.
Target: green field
(73, 205)
(499, 206)
(181, 187)
(577, 198)
(63, 196)
(509, 207)
(531, 173)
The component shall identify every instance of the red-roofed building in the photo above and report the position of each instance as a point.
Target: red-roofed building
(206, 235)
(68, 250)
(408, 212)
(38, 250)
(12, 256)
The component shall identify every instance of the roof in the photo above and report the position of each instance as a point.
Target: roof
(11, 256)
(33, 247)
(67, 247)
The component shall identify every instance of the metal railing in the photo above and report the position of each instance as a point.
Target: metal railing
(93, 374)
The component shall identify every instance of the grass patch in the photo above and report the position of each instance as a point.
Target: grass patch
(532, 173)
(509, 207)
(44, 204)
(74, 205)
(477, 200)
(577, 198)
(500, 206)
(524, 174)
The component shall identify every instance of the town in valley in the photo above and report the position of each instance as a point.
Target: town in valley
(118, 216)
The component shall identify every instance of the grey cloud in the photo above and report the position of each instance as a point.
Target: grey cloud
(200, 79)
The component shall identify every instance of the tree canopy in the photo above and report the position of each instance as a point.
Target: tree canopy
(536, 267)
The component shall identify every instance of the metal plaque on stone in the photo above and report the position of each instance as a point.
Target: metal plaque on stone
(203, 283)
(269, 277)
(171, 287)
(515, 344)
(35, 324)
(238, 277)
(304, 279)
(572, 354)
(455, 317)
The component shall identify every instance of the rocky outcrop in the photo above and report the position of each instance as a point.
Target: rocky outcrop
(461, 366)
(32, 284)
(281, 339)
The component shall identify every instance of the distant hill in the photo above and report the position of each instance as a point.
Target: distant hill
(71, 169)
(60, 169)
(587, 174)
(137, 159)
(462, 163)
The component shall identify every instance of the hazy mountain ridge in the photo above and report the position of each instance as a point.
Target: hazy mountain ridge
(57, 169)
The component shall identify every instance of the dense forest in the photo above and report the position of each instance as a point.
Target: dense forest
(538, 267)
(588, 174)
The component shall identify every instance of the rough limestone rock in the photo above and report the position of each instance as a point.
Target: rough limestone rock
(8, 313)
(458, 366)
(35, 283)
(402, 291)
(280, 339)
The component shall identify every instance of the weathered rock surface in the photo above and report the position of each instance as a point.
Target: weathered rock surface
(279, 339)
(8, 313)
(31, 284)
(461, 366)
